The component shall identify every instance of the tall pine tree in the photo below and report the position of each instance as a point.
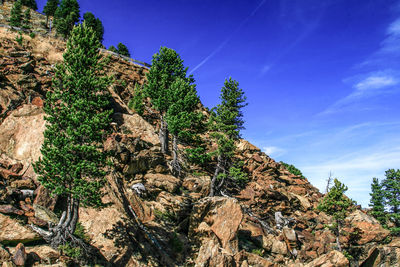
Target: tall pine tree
(181, 115)
(66, 16)
(167, 67)
(77, 114)
(16, 14)
(377, 202)
(337, 205)
(226, 121)
(123, 50)
(50, 9)
(95, 23)
(391, 187)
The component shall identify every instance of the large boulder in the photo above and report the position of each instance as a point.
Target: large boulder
(220, 216)
(12, 232)
(162, 181)
(332, 259)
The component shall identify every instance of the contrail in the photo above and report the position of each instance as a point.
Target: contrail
(216, 50)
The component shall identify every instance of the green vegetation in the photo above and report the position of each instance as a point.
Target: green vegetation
(16, 14)
(337, 205)
(113, 49)
(136, 103)
(32, 35)
(377, 202)
(292, 169)
(50, 9)
(95, 24)
(66, 16)
(19, 39)
(27, 19)
(391, 189)
(73, 162)
(29, 3)
(71, 251)
(175, 243)
(198, 155)
(226, 121)
(123, 50)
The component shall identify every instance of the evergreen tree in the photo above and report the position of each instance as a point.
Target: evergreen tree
(226, 121)
(337, 205)
(377, 202)
(16, 14)
(391, 187)
(123, 50)
(113, 49)
(181, 115)
(167, 67)
(29, 3)
(27, 19)
(136, 102)
(95, 23)
(66, 16)
(50, 9)
(73, 162)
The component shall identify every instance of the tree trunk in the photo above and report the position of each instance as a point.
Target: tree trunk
(338, 236)
(176, 167)
(163, 135)
(215, 177)
(64, 230)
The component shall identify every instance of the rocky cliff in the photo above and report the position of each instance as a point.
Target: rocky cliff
(153, 218)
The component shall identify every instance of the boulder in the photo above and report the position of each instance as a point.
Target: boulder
(162, 181)
(9, 209)
(138, 127)
(45, 252)
(210, 254)
(44, 199)
(371, 229)
(198, 184)
(223, 217)
(332, 259)
(12, 232)
(19, 257)
(45, 214)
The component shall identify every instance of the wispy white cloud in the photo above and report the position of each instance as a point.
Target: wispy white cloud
(265, 69)
(223, 44)
(273, 151)
(376, 82)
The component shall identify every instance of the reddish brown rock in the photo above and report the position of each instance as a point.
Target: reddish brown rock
(332, 259)
(19, 257)
(38, 101)
(44, 199)
(9, 209)
(17, 167)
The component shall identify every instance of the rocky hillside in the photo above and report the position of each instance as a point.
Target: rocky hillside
(153, 218)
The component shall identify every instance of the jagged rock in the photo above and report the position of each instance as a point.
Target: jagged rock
(223, 217)
(198, 184)
(8, 264)
(45, 214)
(4, 255)
(19, 257)
(45, 252)
(13, 232)
(138, 127)
(211, 254)
(44, 199)
(372, 231)
(143, 162)
(332, 259)
(244, 259)
(23, 184)
(163, 181)
(9, 209)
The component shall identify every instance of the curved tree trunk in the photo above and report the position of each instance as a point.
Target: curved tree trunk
(163, 136)
(64, 230)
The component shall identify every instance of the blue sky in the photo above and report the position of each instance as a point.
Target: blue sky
(322, 78)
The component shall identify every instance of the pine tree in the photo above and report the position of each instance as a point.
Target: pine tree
(123, 50)
(16, 14)
(66, 16)
(73, 162)
(27, 19)
(95, 23)
(337, 205)
(226, 121)
(113, 49)
(181, 115)
(377, 202)
(136, 102)
(50, 9)
(29, 3)
(167, 67)
(391, 187)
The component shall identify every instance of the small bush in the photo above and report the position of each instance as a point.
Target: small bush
(19, 39)
(81, 232)
(32, 35)
(198, 156)
(70, 251)
(175, 243)
(292, 169)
